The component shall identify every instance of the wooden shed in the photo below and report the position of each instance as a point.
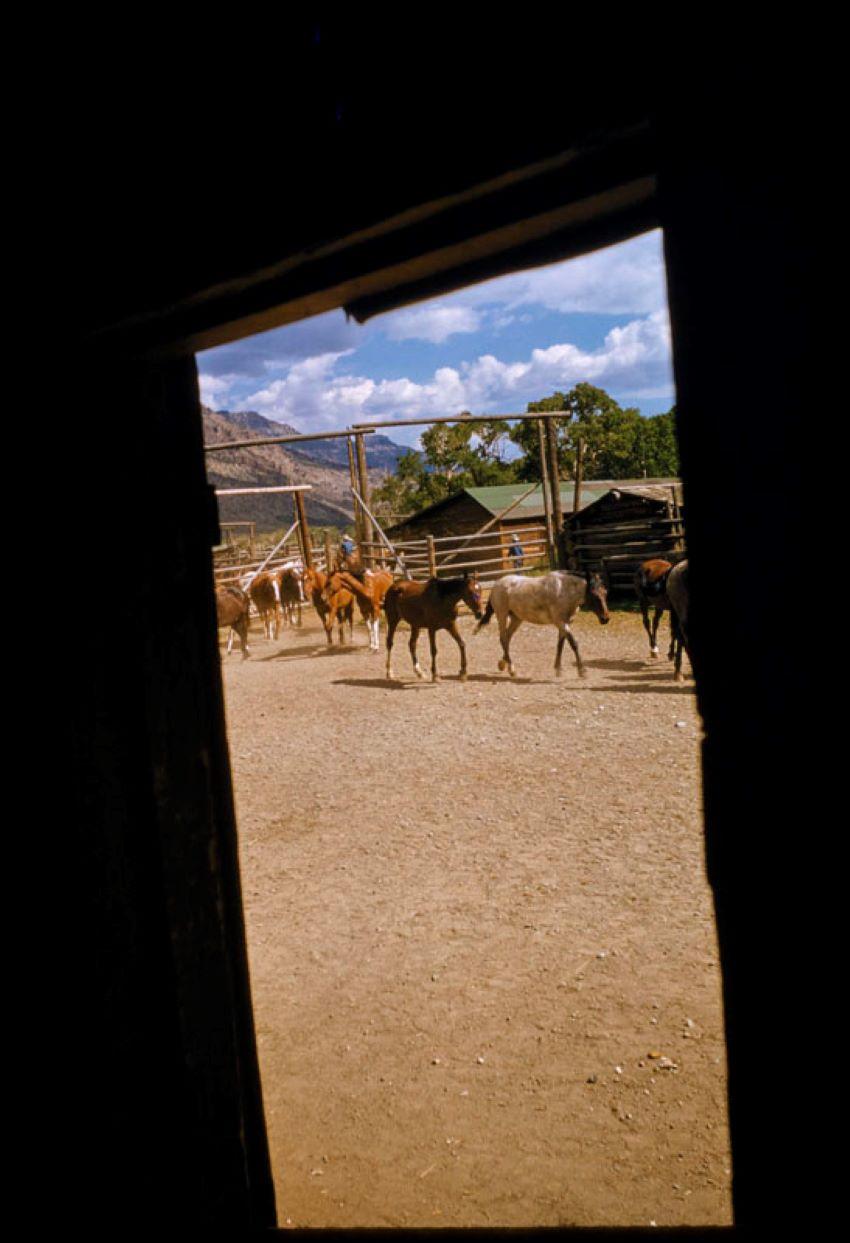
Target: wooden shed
(624, 526)
(470, 508)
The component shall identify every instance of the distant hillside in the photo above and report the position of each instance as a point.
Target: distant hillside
(322, 463)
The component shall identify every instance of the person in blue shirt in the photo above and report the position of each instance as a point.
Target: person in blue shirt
(347, 546)
(515, 552)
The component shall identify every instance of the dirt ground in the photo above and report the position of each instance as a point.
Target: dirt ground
(483, 958)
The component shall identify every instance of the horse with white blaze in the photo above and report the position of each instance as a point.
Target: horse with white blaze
(550, 600)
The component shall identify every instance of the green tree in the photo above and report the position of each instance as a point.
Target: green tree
(454, 456)
(618, 443)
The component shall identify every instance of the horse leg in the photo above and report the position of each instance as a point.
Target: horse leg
(392, 622)
(681, 642)
(242, 630)
(567, 634)
(414, 639)
(506, 633)
(644, 610)
(230, 635)
(432, 640)
(328, 623)
(455, 633)
(653, 638)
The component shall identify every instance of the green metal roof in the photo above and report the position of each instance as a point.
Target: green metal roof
(499, 497)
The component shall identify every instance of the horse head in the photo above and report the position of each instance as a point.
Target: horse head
(597, 597)
(331, 587)
(472, 595)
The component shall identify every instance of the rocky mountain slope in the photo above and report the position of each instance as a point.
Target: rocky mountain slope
(322, 463)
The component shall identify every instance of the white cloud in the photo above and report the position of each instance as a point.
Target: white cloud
(627, 279)
(214, 389)
(434, 322)
(633, 360)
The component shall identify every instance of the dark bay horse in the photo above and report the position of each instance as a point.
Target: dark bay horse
(550, 600)
(430, 606)
(651, 591)
(233, 608)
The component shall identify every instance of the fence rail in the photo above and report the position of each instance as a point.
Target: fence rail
(437, 556)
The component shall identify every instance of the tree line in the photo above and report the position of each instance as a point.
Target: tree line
(618, 444)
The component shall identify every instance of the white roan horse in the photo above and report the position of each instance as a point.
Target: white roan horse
(550, 600)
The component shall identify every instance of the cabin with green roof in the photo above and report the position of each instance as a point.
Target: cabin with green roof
(468, 510)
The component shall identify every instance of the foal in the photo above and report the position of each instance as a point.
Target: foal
(339, 606)
(651, 591)
(232, 608)
(265, 597)
(430, 606)
(551, 600)
(369, 592)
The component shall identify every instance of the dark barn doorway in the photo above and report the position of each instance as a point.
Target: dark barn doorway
(164, 1099)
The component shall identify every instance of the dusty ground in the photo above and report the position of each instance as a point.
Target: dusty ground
(478, 923)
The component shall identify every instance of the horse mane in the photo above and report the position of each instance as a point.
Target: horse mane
(448, 586)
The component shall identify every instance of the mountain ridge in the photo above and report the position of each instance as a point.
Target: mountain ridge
(324, 466)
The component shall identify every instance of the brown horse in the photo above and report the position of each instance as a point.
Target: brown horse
(289, 585)
(369, 592)
(339, 607)
(430, 606)
(232, 608)
(651, 590)
(265, 597)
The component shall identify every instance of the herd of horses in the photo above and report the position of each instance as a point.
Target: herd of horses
(546, 600)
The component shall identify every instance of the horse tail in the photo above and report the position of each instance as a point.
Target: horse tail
(488, 613)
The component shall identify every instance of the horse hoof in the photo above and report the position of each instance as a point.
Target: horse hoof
(462, 677)
(582, 673)
(559, 673)
(655, 654)
(435, 677)
(503, 664)
(513, 673)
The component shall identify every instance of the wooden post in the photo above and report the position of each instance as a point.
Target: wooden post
(579, 475)
(358, 513)
(303, 531)
(555, 485)
(432, 557)
(363, 479)
(328, 554)
(547, 499)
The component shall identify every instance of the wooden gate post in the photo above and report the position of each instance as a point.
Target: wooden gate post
(363, 479)
(328, 556)
(432, 557)
(555, 484)
(547, 499)
(358, 512)
(573, 559)
(303, 531)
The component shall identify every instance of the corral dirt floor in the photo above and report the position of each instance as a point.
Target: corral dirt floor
(483, 958)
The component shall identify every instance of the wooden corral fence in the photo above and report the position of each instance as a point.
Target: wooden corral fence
(485, 553)
(230, 569)
(623, 528)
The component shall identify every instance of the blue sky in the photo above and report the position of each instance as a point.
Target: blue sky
(490, 349)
